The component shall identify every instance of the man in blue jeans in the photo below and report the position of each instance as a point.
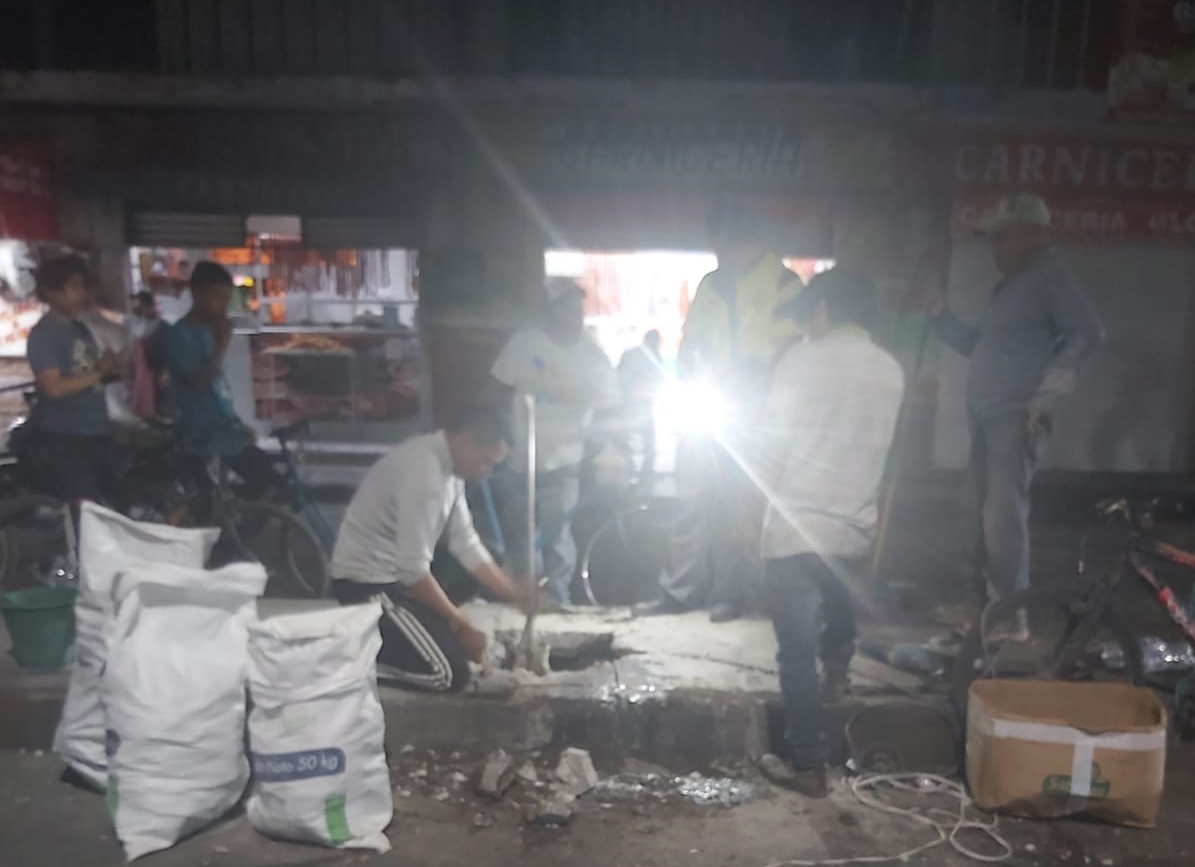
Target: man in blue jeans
(827, 428)
(1025, 355)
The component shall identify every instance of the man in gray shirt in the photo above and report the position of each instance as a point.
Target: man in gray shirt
(1025, 355)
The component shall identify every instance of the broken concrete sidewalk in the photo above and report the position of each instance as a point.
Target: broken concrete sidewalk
(676, 690)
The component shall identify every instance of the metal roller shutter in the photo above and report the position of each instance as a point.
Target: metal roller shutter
(166, 229)
(357, 233)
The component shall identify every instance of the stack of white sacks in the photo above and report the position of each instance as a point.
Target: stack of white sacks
(156, 706)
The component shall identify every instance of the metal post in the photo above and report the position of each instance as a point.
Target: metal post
(528, 639)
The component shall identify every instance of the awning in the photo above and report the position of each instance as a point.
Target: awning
(27, 207)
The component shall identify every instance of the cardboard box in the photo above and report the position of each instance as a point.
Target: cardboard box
(1044, 749)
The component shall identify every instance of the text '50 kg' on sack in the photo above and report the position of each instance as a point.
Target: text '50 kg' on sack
(174, 697)
(109, 543)
(316, 730)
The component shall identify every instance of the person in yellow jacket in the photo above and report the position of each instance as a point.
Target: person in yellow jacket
(732, 333)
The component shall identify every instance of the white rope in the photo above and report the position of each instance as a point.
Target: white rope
(948, 825)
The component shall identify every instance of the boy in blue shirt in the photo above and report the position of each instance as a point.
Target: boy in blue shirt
(194, 349)
(70, 420)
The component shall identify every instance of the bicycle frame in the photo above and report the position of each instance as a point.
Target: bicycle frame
(302, 501)
(1140, 545)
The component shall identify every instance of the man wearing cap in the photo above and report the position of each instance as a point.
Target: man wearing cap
(1025, 355)
(570, 378)
(732, 334)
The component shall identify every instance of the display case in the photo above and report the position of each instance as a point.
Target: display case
(355, 384)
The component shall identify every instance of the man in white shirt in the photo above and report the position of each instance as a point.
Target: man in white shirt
(142, 320)
(829, 422)
(570, 378)
(412, 497)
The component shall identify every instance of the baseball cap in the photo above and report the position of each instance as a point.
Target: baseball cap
(1015, 209)
(561, 287)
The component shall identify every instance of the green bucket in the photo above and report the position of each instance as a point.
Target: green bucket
(41, 624)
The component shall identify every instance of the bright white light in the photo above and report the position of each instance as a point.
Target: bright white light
(690, 408)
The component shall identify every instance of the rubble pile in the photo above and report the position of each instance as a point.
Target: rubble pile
(547, 794)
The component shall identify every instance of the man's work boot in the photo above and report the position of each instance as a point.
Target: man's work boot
(810, 783)
(664, 605)
(724, 612)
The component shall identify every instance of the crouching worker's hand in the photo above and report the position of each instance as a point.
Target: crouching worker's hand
(510, 591)
(472, 638)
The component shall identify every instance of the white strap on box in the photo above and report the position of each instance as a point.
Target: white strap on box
(1084, 745)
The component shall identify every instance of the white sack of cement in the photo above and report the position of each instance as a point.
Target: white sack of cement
(173, 693)
(317, 731)
(108, 544)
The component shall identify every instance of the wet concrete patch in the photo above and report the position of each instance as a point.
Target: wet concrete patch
(564, 651)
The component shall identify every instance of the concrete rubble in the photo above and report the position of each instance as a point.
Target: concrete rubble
(554, 812)
(497, 774)
(576, 772)
(527, 772)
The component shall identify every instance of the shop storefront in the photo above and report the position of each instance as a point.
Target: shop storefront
(324, 335)
(28, 224)
(318, 218)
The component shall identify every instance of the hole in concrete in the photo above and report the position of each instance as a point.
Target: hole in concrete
(567, 651)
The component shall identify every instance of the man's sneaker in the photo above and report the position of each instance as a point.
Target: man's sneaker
(1014, 629)
(810, 783)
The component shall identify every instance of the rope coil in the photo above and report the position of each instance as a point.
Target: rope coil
(947, 824)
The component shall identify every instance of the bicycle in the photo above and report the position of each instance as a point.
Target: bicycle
(296, 493)
(1078, 631)
(166, 485)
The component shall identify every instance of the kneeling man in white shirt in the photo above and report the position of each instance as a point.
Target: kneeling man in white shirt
(409, 500)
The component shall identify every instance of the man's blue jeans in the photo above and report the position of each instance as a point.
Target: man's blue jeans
(556, 496)
(811, 612)
(996, 500)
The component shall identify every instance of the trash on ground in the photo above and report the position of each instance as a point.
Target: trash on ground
(576, 772)
(701, 790)
(317, 730)
(1157, 656)
(916, 658)
(482, 819)
(711, 791)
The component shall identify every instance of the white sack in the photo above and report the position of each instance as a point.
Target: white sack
(316, 730)
(173, 692)
(109, 543)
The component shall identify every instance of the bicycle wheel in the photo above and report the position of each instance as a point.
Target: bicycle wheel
(277, 539)
(1072, 637)
(622, 561)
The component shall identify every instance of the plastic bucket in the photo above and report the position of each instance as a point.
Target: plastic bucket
(41, 624)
